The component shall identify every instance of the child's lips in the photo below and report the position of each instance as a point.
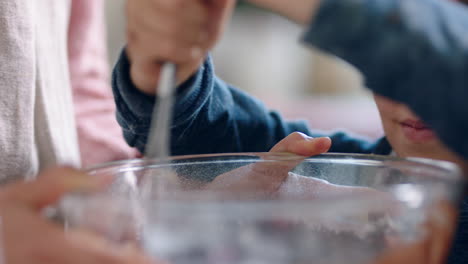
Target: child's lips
(416, 124)
(417, 131)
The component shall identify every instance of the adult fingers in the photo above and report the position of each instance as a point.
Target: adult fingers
(29, 238)
(90, 248)
(50, 186)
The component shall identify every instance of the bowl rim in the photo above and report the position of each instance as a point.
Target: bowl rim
(452, 169)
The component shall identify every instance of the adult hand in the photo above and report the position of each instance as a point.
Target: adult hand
(177, 31)
(434, 247)
(27, 237)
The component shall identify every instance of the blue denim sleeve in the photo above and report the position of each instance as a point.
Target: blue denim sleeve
(211, 116)
(413, 51)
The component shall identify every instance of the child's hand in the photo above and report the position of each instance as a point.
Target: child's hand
(303, 145)
(177, 31)
(265, 178)
(299, 11)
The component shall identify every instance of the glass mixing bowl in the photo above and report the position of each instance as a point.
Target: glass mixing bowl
(257, 208)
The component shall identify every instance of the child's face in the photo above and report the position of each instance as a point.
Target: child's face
(409, 136)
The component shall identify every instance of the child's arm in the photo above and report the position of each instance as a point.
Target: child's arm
(212, 117)
(413, 51)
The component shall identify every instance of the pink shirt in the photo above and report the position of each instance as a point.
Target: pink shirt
(100, 137)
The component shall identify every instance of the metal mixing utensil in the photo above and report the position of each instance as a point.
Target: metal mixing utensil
(158, 142)
(75, 207)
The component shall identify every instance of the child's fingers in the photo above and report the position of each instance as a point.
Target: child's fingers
(301, 144)
(145, 74)
(265, 177)
(219, 4)
(186, 25)
(257, 179)
(166, 49)
(162, 30)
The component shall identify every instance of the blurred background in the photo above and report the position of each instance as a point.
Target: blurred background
(261, 54)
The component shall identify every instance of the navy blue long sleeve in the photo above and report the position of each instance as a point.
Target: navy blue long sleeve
(212, 117)
(413, 51)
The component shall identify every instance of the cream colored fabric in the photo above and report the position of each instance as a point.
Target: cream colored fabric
(37, 127)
